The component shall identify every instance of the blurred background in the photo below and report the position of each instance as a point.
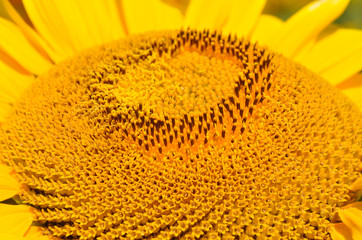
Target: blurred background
(352, 17)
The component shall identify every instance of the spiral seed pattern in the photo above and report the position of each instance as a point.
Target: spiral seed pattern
(183, 135)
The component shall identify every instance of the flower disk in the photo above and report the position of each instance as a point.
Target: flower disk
(183, 135)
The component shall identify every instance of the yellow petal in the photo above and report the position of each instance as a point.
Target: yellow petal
(193, 12)
(9, 236)
(356, 185)
(12, 85)
(340, 231)
(139, 15)
(15, 219)
(18, 82)
(243, 24)
(17, 47)
(355, 94)
(5, 108)
(344, 69)
(112, 16)
(47, 21)
(37, 42)
(352, 82)
(306, 24)
(142, 16)
(171, 18)
(266, 28)
(35, 233)
(79, 30)
(95, 19)
(9, 187)
(10, 62)
(90, 22)
(332, 48)
(351, 215)
(212, 14)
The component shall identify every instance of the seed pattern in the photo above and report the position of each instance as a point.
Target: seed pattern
(181, 102)
(184, 135)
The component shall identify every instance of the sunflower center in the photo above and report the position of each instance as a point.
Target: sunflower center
(183, 135)
(182, 93)
(185, 84)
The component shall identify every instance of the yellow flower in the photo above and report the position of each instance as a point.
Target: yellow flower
(179, 133)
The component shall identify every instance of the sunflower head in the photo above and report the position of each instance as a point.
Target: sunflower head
(181, 134)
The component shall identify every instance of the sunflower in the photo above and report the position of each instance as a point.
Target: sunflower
(128, 119)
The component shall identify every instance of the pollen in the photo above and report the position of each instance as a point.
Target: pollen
(183, 135)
